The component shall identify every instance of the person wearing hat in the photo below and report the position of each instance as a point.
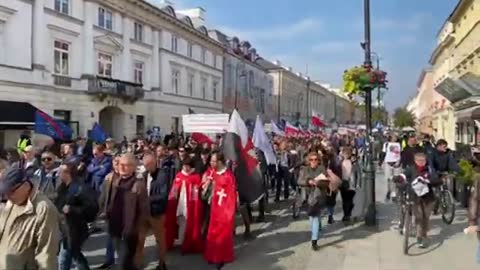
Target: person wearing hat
(30, 216)
(110, 148)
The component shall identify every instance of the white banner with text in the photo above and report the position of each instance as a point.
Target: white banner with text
(205, 123)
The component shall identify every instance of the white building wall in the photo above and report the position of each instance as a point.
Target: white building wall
(15, 45)
(86, 39)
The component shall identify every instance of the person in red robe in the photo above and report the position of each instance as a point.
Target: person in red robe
(219, 246)
(185, 211)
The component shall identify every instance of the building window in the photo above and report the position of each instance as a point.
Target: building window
(190, 50)
(214, 60)
(61, 56)
(62, 6)
(457, 133)
(204, 88)
(190, 80)
(204, 55)
(261, 102)
(175, 80)
(138, 32)
(62, 115)
(470, 133)
(215, 89)
(140, 123)
(138, 72)
(460, 128)
(105, 18)
(174, 43)
(105, 64)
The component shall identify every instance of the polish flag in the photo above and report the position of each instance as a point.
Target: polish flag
(291, 130)
(201, 138)
(317, 119)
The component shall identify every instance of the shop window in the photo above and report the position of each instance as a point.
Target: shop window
(470, 133)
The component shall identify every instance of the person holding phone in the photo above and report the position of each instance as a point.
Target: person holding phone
(314, 179)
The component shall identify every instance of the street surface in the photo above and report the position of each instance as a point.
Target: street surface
(284, 244)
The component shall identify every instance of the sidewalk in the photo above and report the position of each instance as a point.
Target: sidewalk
(362, 248)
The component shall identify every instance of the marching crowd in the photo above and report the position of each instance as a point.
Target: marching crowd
(182, 192)
(186, 194)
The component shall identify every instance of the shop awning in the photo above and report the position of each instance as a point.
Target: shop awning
(16, 113)
(472, 81)
(468, 113)
(453, 90)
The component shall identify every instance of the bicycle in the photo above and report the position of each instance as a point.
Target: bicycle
(444, 201)
(407, 218)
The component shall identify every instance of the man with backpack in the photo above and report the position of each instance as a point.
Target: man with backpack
(78, 206)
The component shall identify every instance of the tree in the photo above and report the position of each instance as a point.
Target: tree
(379, 114)
(403, 118)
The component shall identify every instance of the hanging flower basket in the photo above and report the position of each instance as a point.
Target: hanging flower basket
(360, 79)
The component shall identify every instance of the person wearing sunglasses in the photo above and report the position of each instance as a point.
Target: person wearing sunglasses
(313, 178)
(30, 216)
(45, 178)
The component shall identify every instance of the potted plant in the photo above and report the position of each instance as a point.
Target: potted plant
(465, 181)
(359, 79)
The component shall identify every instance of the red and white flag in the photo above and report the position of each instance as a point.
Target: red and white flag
(317, 119)
(239, 148)
(291, 130)
(201, 138)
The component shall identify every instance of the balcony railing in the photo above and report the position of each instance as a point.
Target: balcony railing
(102, 86)
(62, 81)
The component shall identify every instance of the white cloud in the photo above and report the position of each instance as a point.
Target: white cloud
(412, 24)
(277, 32)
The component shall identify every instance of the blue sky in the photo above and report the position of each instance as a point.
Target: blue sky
(325, 35)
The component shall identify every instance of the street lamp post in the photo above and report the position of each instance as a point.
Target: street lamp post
(370, 218)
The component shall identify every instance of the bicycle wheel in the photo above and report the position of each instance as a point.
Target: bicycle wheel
(401, 222)
(406, 233)
(447, 206)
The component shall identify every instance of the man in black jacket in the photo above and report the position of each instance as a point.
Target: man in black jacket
(157, 188)
(74, 201)
(442, 159)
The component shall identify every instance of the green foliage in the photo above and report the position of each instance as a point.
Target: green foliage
(358, 79)
(378, 114)
(403, 118)
(466, 172)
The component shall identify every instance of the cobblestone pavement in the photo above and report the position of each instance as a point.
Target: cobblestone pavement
(282, 243)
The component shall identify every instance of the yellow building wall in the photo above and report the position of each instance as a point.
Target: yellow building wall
(443, 124)
(466, 23)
